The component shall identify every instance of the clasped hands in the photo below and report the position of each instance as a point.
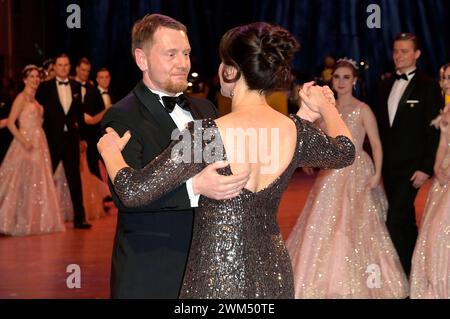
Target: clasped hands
(314, 101)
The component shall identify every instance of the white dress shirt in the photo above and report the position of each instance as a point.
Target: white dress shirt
(397, 91)
(65, 96)
(181, 117)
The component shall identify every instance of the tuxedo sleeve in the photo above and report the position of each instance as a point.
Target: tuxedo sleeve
(132, 152)
(93, 102)
(433, 104)
(80, 120)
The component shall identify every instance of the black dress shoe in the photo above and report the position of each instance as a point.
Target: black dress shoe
(107, 199)
(82, 226)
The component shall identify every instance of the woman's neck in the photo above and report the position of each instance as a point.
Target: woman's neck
(345, 99)
(246, 100)
(29, 92)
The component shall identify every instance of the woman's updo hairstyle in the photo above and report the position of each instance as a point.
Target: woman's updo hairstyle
(28, 69)
(261, 53)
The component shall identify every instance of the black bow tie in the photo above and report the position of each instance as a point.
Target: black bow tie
(63, 82)
(403, 76)
(105, 92)
(181, 101)
(83, 85)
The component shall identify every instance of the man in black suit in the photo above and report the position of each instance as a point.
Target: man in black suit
(408, 102)
(152, 243)
(63, 125)
(94, 110)
(103, 85)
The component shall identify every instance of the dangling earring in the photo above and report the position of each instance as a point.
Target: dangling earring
(354, 86)
(232, 94)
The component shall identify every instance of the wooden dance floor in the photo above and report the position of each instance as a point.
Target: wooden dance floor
(35, 266)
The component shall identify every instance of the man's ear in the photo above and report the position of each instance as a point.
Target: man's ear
(141, 59)
(417, 54)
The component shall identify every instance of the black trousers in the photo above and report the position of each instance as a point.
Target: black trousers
(401, 216)
(69, 154)
(93, 135)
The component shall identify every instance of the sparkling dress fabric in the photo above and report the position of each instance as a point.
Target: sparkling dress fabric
(340, 246)
(28, 200)
(237, 250)
(430, 273)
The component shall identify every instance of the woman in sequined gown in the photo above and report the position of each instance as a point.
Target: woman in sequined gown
(430, 273)
(28, 201)
(340, 246)
(237, 250)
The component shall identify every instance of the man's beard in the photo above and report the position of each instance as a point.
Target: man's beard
(175, 87)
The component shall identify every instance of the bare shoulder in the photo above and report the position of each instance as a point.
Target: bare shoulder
(365, 109)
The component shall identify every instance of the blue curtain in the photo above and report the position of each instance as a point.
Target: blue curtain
(323, 27)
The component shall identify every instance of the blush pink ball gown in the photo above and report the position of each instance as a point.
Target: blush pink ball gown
(340, 246)
(28, 201)
(430, 273)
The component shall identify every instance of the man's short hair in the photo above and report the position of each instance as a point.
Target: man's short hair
(408, 37)
(144, 29)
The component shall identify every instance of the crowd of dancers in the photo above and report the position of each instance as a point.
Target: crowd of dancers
(357, 236)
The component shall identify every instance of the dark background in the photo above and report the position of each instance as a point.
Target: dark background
(323, 27)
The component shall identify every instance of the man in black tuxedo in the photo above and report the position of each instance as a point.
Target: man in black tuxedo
(408, 102)
(152, 243)
(94, 110)
(103, 85)
(63, 126)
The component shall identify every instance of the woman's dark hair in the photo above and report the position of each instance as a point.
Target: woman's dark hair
(261, 53)
(28, 69)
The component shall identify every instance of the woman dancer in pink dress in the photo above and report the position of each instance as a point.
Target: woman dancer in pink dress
(28, 202)
(430, 274)
(340, 247)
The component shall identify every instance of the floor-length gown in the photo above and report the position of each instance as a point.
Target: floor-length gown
(430, 273)
(28, 201)
(237, 250)
(340, 246)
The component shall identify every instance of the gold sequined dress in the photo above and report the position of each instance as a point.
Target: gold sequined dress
(430, 273)
(28, 200)
(237, 250)
(340, 246)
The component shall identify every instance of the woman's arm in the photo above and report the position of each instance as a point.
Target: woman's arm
(16, 109)
(173, 167)
(370, 124)
(440, 174)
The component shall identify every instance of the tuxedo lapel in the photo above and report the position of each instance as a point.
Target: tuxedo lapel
(55, 96)
(195, 111)
(75, 92)
(402, 105)
(155, 110)
(385, 108)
